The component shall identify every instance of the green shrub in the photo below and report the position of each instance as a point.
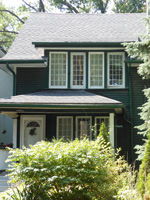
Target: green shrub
(103, 132)
(75, 170)
(143, 183)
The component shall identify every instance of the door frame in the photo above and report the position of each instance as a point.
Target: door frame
(23, 118)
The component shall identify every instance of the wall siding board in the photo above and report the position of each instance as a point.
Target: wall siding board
(31, 79)
(34, 79)
(138, 99)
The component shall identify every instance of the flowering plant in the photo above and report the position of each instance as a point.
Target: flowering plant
(9, 145)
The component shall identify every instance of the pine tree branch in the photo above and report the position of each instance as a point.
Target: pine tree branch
(13, 15)
(30, 6)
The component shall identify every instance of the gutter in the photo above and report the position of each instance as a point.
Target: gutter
(131, 108)
(133, 61)
(14, 78)
(25, 105)
(77, 44)
(22, 61)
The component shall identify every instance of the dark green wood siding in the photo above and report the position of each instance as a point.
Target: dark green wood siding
(31, 79)
(138, 100)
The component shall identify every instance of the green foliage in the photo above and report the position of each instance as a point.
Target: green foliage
(141, 50)
(128, 190)
(81, 6)
(129, 6)
(104, 133)
(9, 25)
(143, 184)
(73, 170)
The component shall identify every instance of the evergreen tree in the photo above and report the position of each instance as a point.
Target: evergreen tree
(103, 132)
(141, 51)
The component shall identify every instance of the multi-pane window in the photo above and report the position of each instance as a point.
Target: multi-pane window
(58, 69)
(78, 70)
(98, 123)
(91, 73)
(115, 69)
(65, 128)
(96, 72)
(83, 127)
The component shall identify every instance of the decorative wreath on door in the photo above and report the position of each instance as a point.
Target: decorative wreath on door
(33, 125)
(32, 131)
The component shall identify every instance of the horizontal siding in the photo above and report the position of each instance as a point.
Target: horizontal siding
(31, 79)
(121, 95)
(138, 99)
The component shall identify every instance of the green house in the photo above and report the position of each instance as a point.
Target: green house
(71, 73)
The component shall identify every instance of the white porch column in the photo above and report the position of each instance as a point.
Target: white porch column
(14, 133)
(111, 125)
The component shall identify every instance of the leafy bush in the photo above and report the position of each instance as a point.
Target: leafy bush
(75, 170)
(143, 184)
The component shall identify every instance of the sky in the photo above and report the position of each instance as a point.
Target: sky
(16, 3)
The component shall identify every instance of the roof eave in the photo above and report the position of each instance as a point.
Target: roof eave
(133, 61)
(77, 44)
(33, 105)
(22, 61)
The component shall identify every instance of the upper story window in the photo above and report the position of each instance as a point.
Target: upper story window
(86, 72)
(78, 70)
(58, 70)
(115, 70)
(96, 70)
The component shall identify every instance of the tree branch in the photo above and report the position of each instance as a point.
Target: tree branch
(13, 15)
(5, 31)
(71, 8)
(30, 6)
(41, 6)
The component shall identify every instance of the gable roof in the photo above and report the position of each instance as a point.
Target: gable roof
(69, 28)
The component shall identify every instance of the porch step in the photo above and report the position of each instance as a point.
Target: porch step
(4, 185)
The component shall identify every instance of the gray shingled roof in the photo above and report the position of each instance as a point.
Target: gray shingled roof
(48, 27)
(59, 97)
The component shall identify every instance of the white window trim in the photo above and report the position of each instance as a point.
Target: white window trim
(57, 127)
(112, 128)
(116, 86)
(84, 74)
(102, 53)
(62, 52)
(90, 117)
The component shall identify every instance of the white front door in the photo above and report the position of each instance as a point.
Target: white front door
(32, 129)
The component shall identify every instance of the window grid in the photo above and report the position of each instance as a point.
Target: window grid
(115, 70)
(99, 121)
(83, 127)
(58, 69)
(78, 69)
(96, 70)
(65, 128)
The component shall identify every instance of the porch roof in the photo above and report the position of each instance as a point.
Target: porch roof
(59, 97)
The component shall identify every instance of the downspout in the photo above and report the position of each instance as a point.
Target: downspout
(14, 78)
(131, 109)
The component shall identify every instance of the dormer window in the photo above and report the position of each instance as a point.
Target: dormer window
(86, 70)
(115, 70)
(78, 70)
(96, 70)
(58, 70)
